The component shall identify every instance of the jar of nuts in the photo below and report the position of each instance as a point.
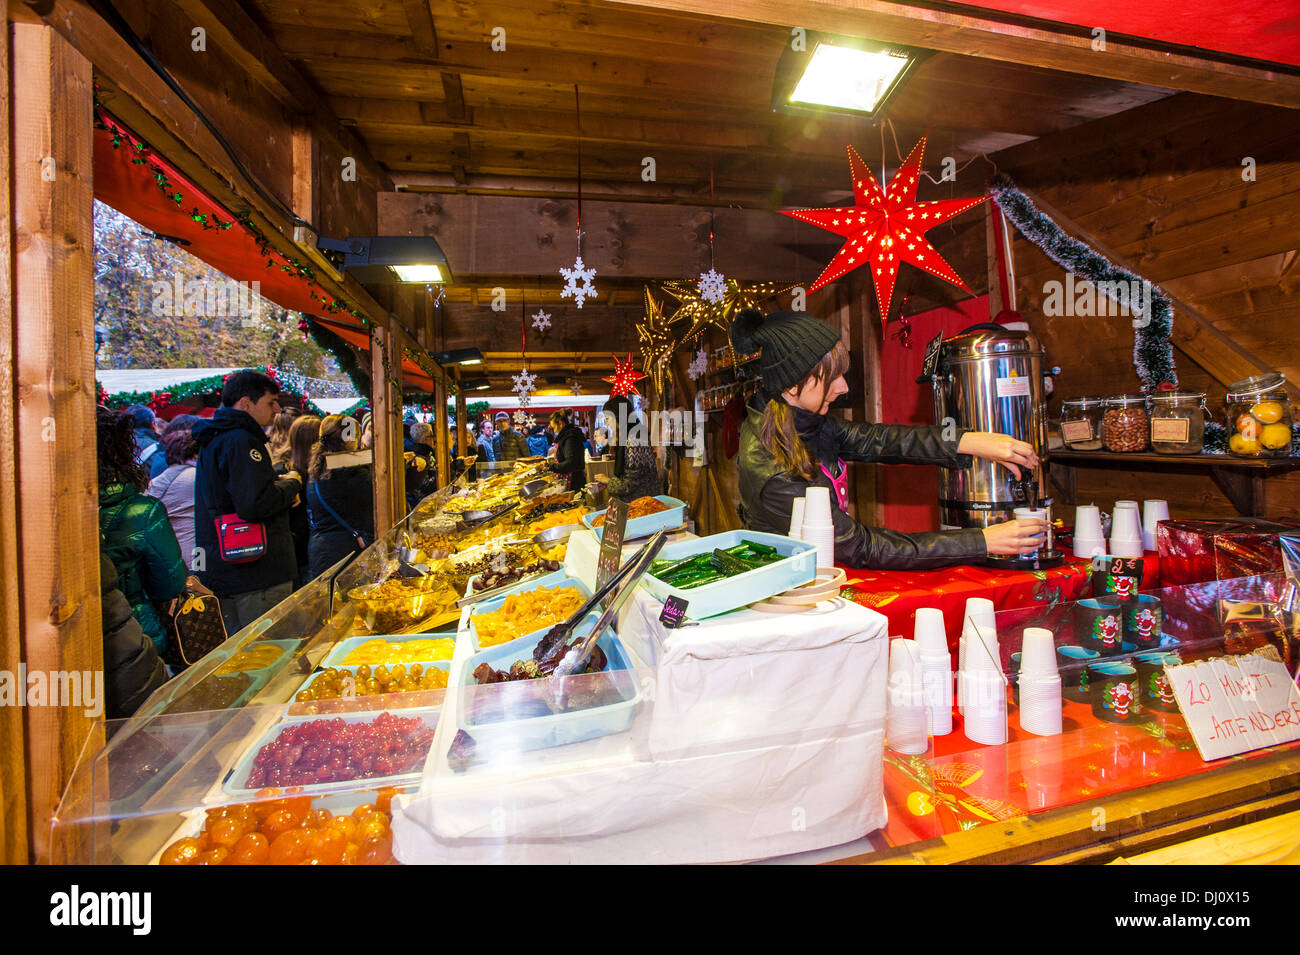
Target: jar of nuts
(1126, 426)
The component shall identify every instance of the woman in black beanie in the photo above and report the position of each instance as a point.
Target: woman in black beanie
(788, 442)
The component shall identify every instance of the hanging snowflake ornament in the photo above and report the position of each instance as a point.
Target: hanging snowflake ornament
(525, 384)
(625, 377)
(712, 286)
(884, 229)
(521, 416)
(541, 321)
(579, 273)
(699, 365)
(576, 388)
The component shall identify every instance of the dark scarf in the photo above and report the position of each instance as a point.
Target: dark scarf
(816, 436)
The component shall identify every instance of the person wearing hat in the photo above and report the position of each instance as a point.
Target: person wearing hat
(788, 443)
(508, 444)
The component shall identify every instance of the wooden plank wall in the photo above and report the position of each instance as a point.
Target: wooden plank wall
(57, 578)
(1163, 186)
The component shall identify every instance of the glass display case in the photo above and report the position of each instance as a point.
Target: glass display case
(744, 736)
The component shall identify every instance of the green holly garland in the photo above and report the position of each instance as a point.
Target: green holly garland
(199, 388)
(1153, 352)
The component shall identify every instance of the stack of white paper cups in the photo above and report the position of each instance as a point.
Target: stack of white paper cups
(1089, 540)
(985, 692)
(796, 519)
(936, 670)
(1040, 684)
(1153, 512)
(1125, 530)
(979, 610)
(905, 719)
(817, 527)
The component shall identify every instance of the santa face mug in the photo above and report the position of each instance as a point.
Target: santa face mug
(1157, 691)
(1143, 616)
(1115, 692)
(1099, 625)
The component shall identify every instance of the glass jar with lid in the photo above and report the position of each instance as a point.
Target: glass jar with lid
(1081, 422)
(1259, 417)
(1178, 422)
(1125, 425)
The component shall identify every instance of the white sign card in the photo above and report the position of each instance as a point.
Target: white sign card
(1235, 704)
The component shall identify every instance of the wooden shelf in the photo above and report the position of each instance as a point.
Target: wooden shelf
(1137, 459)
(1240, 479)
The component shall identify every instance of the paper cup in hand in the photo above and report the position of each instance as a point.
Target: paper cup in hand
(817, 506)
(796, 519)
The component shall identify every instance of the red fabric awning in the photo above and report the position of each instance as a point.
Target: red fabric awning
(134, 180)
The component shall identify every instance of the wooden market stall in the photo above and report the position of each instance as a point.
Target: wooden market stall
(640, 135)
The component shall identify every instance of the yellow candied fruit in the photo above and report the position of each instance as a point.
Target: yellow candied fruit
(254, 658)
(374, 652)
(524, 613)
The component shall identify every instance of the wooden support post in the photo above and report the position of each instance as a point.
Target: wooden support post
(47, 447)
(386, 406)
(461, 413)
(440, 433)
(864, 351)
(997, 241)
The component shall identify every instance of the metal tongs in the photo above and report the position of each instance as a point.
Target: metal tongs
(575, 657)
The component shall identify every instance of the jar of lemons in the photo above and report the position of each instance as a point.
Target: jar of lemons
(1259, 417)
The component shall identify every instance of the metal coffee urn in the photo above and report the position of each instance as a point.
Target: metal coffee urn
(989, 378)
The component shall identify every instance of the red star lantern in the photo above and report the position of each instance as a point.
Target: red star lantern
(886, 229)
(624, 379)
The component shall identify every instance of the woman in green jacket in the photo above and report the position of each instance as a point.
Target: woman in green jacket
(138, 537)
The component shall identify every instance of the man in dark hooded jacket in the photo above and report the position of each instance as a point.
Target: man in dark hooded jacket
(235, 476)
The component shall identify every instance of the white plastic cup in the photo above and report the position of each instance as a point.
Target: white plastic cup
(796, 519)
(936, 683)
(1153, 512)
(817, 507)
(1040, 705)
(1038, 653)
(1125, 547)
(930, 633)
(1126, 520)
(1087, 522)
(985, 719)
(1089, 547)
(905, 720)
(821, 536)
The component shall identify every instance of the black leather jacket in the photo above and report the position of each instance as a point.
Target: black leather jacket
(767, 493)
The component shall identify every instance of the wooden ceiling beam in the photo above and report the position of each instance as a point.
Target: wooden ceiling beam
(643, 241)
(424, 34)
(1012, 39)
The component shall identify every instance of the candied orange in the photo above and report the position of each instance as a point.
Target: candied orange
(318, 819)
(328, 846)
(289, 848)
(351, 853)
(376, 851)
(280, 821)
(384, 799)
(346, 825)
(297, 804)
(251, 849)
(181, 852)
(214, 856)
(375, 824)
(226, 832)
(362, 811)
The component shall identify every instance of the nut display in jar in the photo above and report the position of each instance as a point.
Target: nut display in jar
(1178, 422)
(1081, 423)
(1126, 425)
(1259, 417)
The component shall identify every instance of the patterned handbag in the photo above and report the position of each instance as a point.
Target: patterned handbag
(197, 630)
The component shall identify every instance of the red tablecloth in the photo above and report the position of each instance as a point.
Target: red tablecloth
(1039, 596)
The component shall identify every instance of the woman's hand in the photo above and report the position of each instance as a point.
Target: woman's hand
(1002, 448)
(1015, 537)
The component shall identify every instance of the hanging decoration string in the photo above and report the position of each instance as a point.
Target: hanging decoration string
(577, 110)
(712, 209)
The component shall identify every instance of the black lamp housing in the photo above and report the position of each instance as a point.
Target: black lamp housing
(391, 259)
(459, 356)
(793, 64)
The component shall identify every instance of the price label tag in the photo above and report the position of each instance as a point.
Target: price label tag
(611, 544)
(930, 366)
(1234, 704)
(674, 613)
(1118, 577)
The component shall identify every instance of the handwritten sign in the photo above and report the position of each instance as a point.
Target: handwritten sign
(674, 613)
(1235, 704)
(930, 365)
(611, 544)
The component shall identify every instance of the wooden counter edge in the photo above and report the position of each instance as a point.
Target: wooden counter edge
(1141, 820)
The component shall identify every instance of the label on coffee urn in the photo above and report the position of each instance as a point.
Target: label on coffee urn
(1013, 386)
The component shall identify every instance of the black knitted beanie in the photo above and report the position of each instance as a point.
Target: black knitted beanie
(791, 344)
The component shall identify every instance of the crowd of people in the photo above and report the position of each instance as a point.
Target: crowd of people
(257, 500)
